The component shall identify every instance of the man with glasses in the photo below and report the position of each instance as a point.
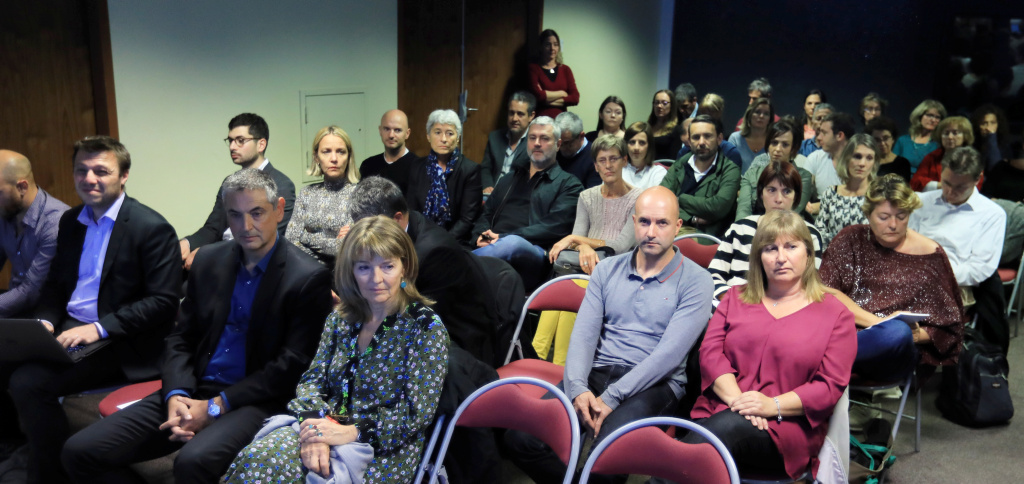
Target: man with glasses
(247, 140)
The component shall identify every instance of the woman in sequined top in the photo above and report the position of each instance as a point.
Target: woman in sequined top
(377, 375)
(885, 268)
(444, 185)
(321, 217)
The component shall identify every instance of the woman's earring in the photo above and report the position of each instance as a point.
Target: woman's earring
(403, 284)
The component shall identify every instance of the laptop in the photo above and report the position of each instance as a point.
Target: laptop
(28, 340)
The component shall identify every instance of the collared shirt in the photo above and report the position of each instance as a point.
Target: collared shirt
(82, 305)
(699, 175)
(227, 365)
(227, 232)
(30, 253)
(648, 324)
(971, 233)
(506, 164)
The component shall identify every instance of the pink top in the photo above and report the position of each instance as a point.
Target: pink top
(564, 81)
(809, 352)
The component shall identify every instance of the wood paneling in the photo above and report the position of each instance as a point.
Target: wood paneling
(429, 39)
(47, 85)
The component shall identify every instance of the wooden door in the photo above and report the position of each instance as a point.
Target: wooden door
(498, 37)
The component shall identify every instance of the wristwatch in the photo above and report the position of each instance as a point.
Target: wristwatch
(212, 409)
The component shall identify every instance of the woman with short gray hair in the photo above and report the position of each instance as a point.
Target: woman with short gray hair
(445, 185)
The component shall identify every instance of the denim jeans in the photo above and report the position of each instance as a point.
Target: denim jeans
(526, 258)
(885, 351)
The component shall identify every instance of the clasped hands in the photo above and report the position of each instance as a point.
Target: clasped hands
(756, 407)
(186, 417)
(592, 410)
(315, 441)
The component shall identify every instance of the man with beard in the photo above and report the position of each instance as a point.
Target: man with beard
(248, 135)
(531, 208)
(28, 232)
(705, 183)
(505, 146)
(641, 316)
(396, 160)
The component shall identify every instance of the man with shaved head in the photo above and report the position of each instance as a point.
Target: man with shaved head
(395, 161)
(642, 314)
(28, 232)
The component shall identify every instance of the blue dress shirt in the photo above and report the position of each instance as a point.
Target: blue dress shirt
(30, 253)
(82, 305)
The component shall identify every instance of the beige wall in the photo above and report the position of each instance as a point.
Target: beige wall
(183, 69)
(613, 47)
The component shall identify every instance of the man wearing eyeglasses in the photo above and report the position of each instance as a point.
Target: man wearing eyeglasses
(248, 136)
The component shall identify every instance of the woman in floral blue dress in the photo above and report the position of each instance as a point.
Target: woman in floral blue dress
(377, 375)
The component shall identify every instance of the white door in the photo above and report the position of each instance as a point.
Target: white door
(339, 107)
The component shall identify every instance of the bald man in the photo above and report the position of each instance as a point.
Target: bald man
(28, 232)
(395, 161)
(642, 314)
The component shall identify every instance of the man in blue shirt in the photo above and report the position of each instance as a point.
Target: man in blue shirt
(642, 314)
(113, 285)
(247, 329)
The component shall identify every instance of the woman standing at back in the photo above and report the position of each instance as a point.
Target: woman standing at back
(550, 80)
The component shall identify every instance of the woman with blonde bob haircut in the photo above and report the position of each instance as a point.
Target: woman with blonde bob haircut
(856, 166)
(776, 356)
(884, 268)
(320, 216)
(382, 332)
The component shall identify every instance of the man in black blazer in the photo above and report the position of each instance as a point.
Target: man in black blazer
(247, 329)
(248, 135)
(114, 281)
(448, 274)
(505, 147)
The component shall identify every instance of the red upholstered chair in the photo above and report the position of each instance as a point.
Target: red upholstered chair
(504, 404)
(559, 294)
(642, 448)
(697, 252)
(128, 394)
(1011, 277)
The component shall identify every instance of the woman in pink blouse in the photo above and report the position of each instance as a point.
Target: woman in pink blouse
(550, 80)
(777, 355)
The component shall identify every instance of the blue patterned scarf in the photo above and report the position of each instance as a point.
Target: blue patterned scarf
(436, 208)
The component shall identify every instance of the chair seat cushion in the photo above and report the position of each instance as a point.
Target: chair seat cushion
(127, 394)
(539, 369)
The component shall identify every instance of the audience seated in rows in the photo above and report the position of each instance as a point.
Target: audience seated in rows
(602, 213)
(991, 135)
(115, 278)
(834, 132)
(750, 139)
(779, 187)
(248, 137)
(952, 132)
(663, 121)
(686, 100)
(445, 185)
(394, 163)
(611, 118)
(757, 89)
(841, 204)
(813, 98)
(384, 332)
(884, 268)
(574, 151)
(225, 369)
(506, 146)
(916, 144)
(970, 229)
(705, 182)
(872, 106)
(821, 111)
(531, 208)
(642, 313)
(782, 145)
(320, 218)
(885, 132)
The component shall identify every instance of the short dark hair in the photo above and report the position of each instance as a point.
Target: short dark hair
(686, 91)
(102, 144)
(781, 127)
(525, 97)
(841, 123)
(704, 118)
(611, 100)
(761, 85)
(257, 125)
(882, 123)
(376, 196)
(783, 172)
(964, 160)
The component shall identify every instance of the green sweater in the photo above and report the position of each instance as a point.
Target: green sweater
(715, 197)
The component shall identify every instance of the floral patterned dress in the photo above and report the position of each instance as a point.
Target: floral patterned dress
(391, 392)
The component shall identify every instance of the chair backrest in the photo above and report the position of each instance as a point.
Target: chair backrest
(503, 404)
(642, 448)
(425, 465)
(697, 252)
(558, 294)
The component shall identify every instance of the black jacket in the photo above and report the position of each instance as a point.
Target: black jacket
(465, 194)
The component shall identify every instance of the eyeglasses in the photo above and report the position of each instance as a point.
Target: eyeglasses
(240, 140)
(610, 159)
(875, 109)
(662, 103)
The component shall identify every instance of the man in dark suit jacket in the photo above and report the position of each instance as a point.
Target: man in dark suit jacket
(114, 282)
(505, 147)
(448, 274)
(247, 329)
(248, 135)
